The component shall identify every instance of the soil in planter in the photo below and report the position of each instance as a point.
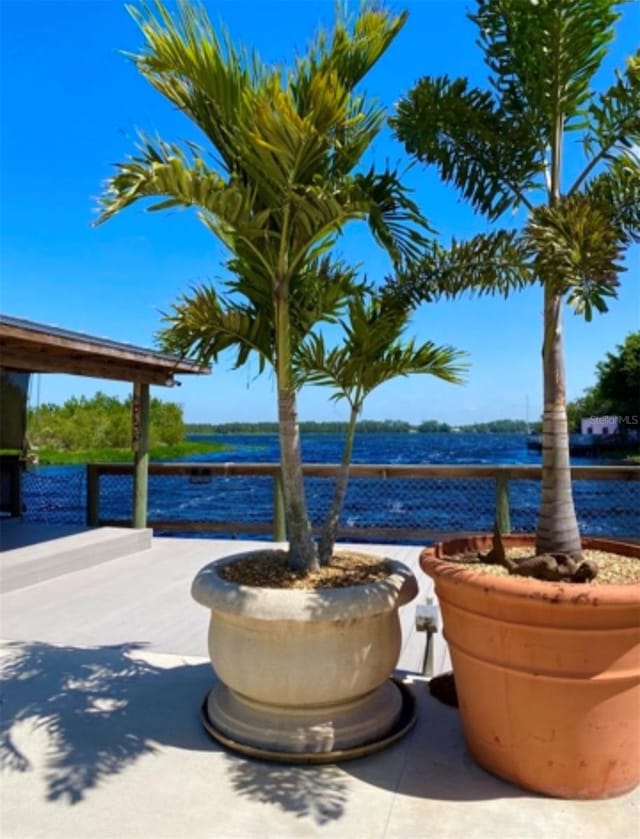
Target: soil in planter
(270, 569)
(612, 568)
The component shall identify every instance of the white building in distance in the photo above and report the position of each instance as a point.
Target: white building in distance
(599, 425)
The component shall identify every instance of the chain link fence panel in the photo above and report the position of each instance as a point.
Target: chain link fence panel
(54, 495)
(404, 506)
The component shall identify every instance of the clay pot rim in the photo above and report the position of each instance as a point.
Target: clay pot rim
(530, 589)
(212, 591)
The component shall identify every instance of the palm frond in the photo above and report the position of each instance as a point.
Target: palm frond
(373, 352)
(544, 55)
(616, 192)
(204, 75)
(201, 326)
(487, 264)
(352, 48)
(613, 121)
(395, 220)
(163, 170)
(321, 294)
(491, 155)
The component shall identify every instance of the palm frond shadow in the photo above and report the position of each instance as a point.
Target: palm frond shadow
(316, 792)
(100, 708)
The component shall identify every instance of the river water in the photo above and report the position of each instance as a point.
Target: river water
(436, 448)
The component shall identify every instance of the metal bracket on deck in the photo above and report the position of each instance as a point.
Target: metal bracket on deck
(427, 621)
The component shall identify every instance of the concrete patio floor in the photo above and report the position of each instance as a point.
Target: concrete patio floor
(105, 670)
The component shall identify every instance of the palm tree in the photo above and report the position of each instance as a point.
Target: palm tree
(372, 352)
(503, 148)
(281, 184)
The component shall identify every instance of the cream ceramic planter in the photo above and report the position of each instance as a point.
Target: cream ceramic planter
(304, 672)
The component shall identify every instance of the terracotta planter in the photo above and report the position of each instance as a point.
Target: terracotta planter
(547, 674)
(303, 672)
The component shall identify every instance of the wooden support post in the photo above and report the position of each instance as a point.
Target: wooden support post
(279, 520)
(11, 473)
(140, 423)
(503, 513)
(93, 495)
(16, 487)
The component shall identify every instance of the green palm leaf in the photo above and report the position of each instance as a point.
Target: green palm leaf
(486, 264)
(373, 352)
(201, 326)
(492, 156)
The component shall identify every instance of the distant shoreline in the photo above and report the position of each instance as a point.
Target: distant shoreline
(363, 427)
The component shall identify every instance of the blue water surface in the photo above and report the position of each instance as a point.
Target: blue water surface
(435, 448)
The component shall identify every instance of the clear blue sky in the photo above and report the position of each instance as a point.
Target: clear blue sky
(71, 104)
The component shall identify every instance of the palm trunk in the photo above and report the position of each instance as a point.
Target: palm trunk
(302, 552)
(332, 520)
(557, 524)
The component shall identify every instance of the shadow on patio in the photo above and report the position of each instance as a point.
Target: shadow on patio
(99, 708)
(80, 715)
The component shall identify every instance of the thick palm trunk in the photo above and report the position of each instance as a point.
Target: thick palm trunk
(332, 520)
(302, 552)
(557, 523)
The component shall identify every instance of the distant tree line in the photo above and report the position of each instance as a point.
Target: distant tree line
(432, 425)
(101, 422)
(307, 427)
(502, 426)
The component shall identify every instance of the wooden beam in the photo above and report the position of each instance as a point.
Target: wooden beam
(43, 362)
(102, 349)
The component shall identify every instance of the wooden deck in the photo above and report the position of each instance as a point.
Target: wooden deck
(71, 589)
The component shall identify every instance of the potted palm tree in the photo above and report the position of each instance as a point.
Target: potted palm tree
(372, 352)
(317, 692)
(547, 673)
(302, 672)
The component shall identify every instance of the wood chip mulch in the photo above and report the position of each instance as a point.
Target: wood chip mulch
(270, 570)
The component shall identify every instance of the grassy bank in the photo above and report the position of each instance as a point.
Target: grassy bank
(53, 457)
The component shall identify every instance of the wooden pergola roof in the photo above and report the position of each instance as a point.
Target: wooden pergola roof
(38, 348)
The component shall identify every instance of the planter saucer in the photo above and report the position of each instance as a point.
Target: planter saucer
(403, 724)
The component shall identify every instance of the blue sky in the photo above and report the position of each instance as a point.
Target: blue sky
(71, 104)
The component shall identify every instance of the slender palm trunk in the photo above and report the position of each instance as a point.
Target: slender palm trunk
(302, 552)
(557, 524)
(332, 520)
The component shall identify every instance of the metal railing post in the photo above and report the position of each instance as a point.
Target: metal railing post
(503, 512)
(279, 519)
